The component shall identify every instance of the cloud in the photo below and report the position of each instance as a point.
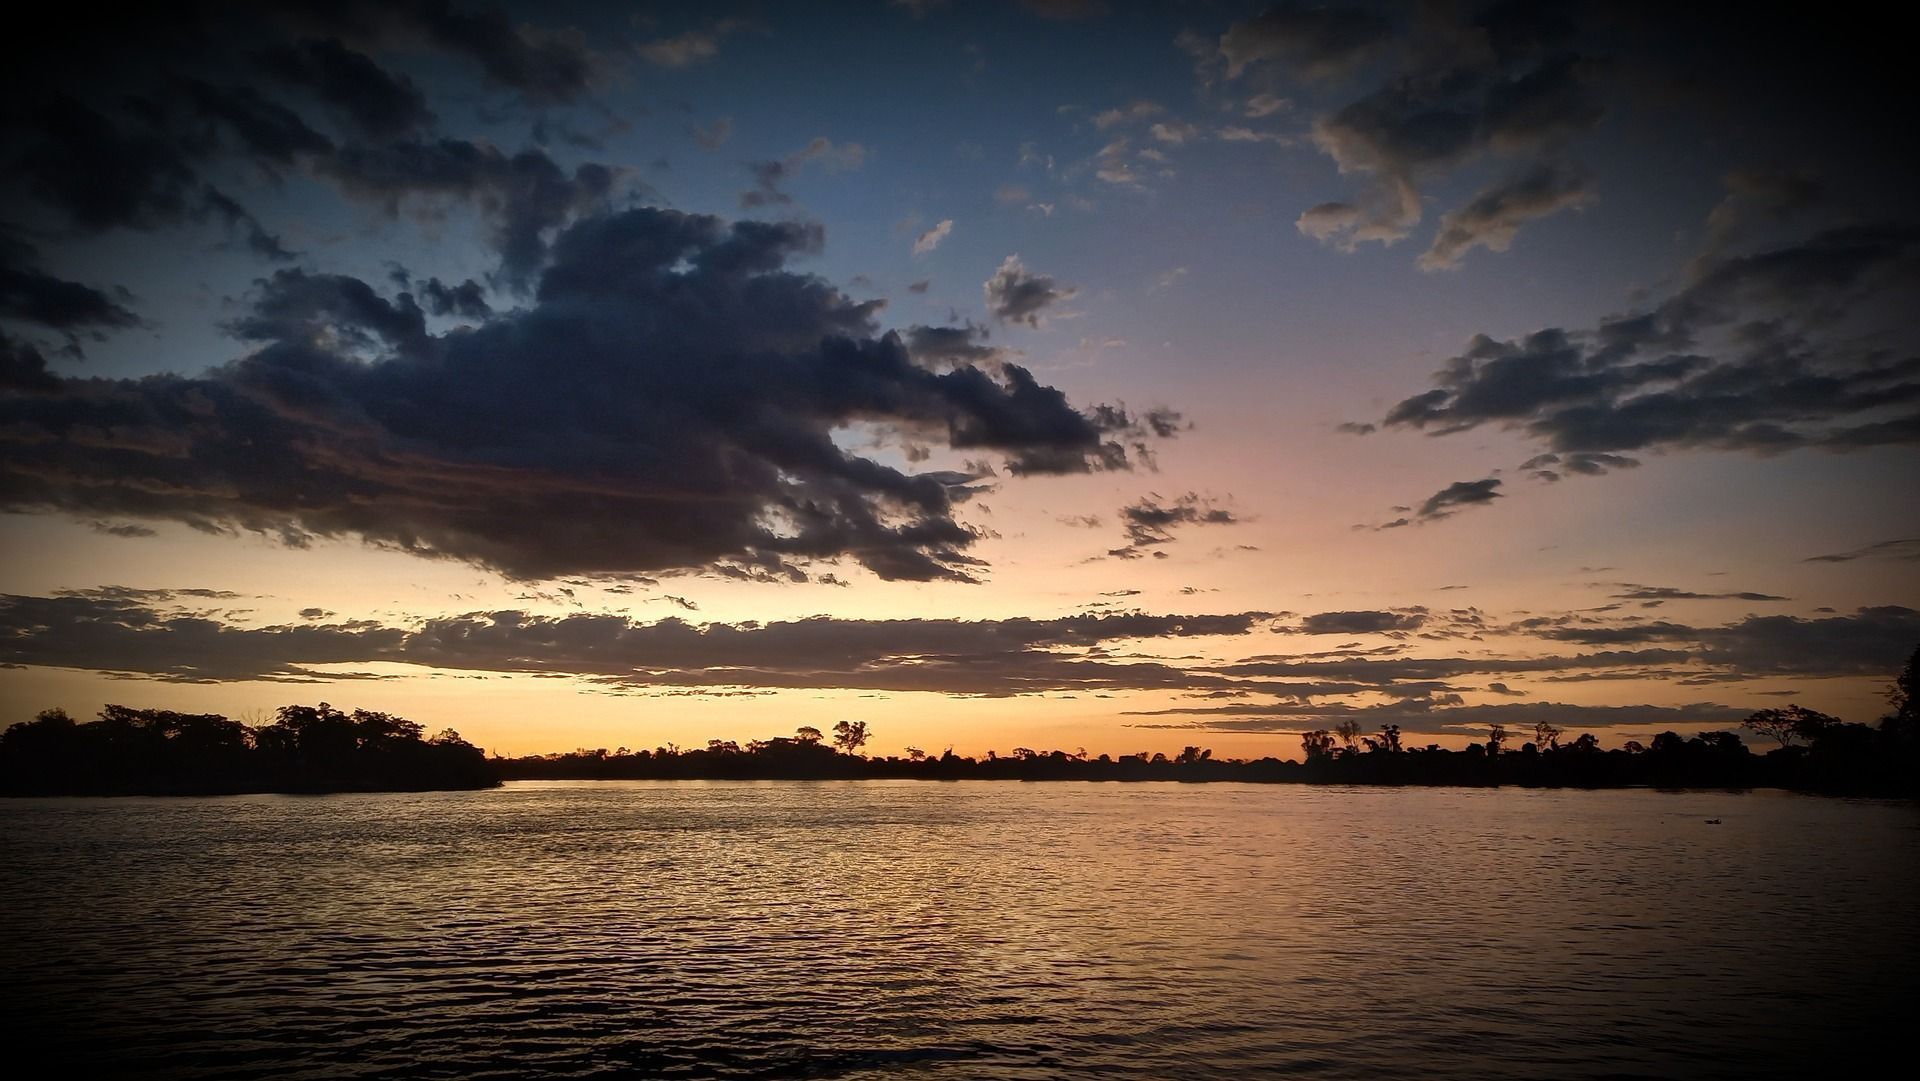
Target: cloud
(931, 239)
(1312, 41)
(1493, 218)
(1905, 550)
(667, 402)
(769, 175)
(70, 309)
(1873, 641)
(691, 47)
(1150, 521)
(140, 635)
(376, 103)
(714, 135)
(1264, 105)
(1016, 295)
(1130, 113)
(1447, 716)
(546, 67)
(128, 530)
(524, 196)
(1584, 463)
(954, 345)
(1371, 622)
(1800, 345)
(1632, 592)
(129, 632)
(1460, 494)
(1499, 80)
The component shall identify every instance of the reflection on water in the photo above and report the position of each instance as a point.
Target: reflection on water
(866, 929)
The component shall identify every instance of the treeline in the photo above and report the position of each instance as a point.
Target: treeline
(1847, 760)
(163, 753)
(1814, 752)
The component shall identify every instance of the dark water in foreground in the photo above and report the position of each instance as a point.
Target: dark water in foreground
(868, 929)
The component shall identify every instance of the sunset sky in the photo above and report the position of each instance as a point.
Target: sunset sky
(1050, 374)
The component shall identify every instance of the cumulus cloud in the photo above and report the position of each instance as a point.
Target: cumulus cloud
(1804, 344)
(1016, 295)
(692, 46)
(667, 402)
(768, 176)
(1457, 496)
(1493, 218)
(931, 239)
(1150, 522)
(71, 310)
(1312, 41)
(376, 103)
(545, 66)
(1364, 622)
(1132, 112)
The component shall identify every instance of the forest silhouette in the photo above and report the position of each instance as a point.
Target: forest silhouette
(322, 749)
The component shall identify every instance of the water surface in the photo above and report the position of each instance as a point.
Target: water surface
(970, 930)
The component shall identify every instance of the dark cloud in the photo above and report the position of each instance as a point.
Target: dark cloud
(376, 103)
(524, 196)
(467, 300)
(30, 295)
(1551, 467)
(1631, 592)
(1457, 496)
(1496, 81)
(1872, 641)
(133, 635)
(953, 345)
(151, 633)
(1447, 716)
(1493, 218)
(1372, 622)
(23, 369)
(1807, 344)
(1151, 521)
(1905, 549)
(127, 530)
(136, 634)
(1312, 41)
(1016, 295)
(546, 67)
(666, 403)
(148, 127)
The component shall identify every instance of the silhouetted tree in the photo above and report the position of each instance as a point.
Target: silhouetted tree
(1546, 736)
(1496, 737)
(1902, 726)
(1348, 731)
(1317, 745)
(807, 733)
(850, 736)
(1790, 723)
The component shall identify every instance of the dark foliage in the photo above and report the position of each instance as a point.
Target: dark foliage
(160, 752)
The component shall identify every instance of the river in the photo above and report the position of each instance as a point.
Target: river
(960, 930)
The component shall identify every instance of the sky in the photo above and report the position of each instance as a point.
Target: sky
(1061, 373)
